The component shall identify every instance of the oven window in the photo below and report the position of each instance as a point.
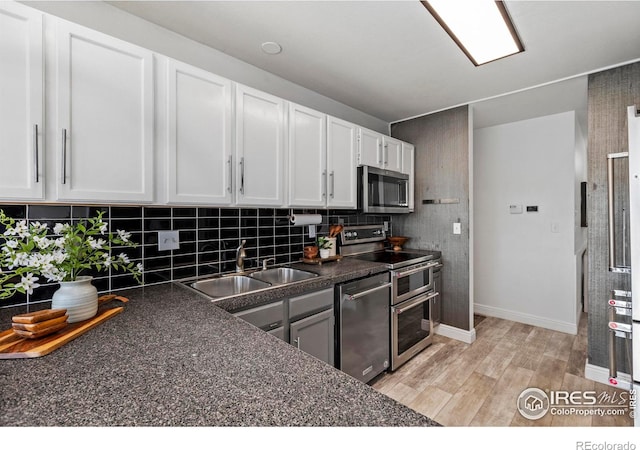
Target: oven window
(387, 191)
(413, 326)
(412, 282)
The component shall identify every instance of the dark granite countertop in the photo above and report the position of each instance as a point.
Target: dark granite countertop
(172, 358)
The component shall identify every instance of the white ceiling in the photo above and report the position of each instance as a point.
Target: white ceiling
(392, 60)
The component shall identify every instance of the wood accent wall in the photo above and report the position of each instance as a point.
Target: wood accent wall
(610, 92)
(441, 143)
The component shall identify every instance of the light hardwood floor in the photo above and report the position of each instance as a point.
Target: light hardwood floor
(478, 384)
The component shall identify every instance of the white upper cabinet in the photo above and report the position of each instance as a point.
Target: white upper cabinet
(408, 167)
(199, 120)
(369, 148)
(307, 157)
(342, 146)
(391, 154)
(21, 103)
(378, 150)
(104, 124)
(260, 144)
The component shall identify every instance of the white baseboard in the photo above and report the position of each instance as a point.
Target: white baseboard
(468, 337)
(601, 375)
(529, 319)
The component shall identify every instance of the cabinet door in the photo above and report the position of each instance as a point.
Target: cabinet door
(314, 335)
(307, 157)
(408, 167)
(369, 148)
(341, 164)
(259, 148)
(199, 136)
(392, 154)
(21, 100)
(104, 117)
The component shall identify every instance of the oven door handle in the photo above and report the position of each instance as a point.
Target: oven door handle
(431, 265)
(415, 302)
(367, 292)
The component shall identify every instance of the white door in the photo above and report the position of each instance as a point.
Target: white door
(408, 167)
(341, 164)
(369, 148)
(307, 157)
(259, 148)
(21, 103)
(104, 117)
(199, 136)
(392, 154)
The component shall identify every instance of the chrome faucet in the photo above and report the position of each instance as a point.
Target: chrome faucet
(240, 256)
(264, 262)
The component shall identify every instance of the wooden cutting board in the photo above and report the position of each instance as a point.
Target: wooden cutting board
(13, 346)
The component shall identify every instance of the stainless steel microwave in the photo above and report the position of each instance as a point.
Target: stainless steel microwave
(382, 191)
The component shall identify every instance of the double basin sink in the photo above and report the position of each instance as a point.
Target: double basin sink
(234, 284)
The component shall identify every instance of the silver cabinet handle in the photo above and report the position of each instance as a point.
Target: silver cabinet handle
(242, 175)
(385, 153)
(324, 181)
(64, 156)
(611, 206)
(36, 154)
(415, 302)
(367, 292)
(333, 183)
(229, 186)
(297, 342)
(380, 157)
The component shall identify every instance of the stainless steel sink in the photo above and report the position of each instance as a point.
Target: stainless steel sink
(230, 285)
(282, 275)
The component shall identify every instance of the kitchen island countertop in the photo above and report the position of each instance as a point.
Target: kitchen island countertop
(172, 358)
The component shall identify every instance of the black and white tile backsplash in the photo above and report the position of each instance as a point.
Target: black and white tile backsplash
(208, 239)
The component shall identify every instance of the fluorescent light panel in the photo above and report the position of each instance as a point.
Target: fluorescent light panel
(481, 28)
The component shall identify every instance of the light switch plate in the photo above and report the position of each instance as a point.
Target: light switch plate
(168, 240)
(515, 209)
(457, 228)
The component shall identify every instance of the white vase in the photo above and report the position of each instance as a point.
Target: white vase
(332, 244)
(79, 298)
(324, 253)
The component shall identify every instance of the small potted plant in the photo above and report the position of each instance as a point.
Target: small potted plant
(324, 244)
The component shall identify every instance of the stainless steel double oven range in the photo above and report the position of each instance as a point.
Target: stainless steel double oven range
(414, 306)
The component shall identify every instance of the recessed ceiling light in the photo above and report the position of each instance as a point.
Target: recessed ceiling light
(481, 28)
(271, 48)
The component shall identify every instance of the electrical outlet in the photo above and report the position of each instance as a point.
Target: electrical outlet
(386, 226)
(312, 231)
(168, 240)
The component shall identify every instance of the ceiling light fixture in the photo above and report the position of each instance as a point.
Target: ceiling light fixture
(482, 28)
(271, 48)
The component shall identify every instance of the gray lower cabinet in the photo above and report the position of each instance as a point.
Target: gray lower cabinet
(314, 335)
(269, 318)
(305, 321)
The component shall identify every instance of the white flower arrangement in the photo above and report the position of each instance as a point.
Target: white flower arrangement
(29, 251)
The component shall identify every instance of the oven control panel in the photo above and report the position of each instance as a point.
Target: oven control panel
(363, 233)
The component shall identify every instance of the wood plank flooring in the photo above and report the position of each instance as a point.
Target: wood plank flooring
(459, 384)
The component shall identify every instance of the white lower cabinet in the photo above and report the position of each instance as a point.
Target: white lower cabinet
(104, 117)
(199, 164)
(21, 103)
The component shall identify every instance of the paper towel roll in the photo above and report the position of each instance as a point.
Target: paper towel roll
(305, 219)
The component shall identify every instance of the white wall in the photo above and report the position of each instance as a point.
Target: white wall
(523, 270)
(118, 23)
